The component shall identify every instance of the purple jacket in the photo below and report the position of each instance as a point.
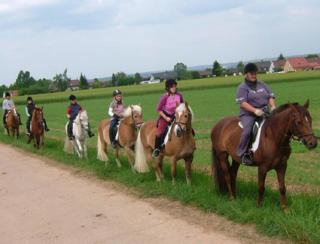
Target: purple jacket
(258, 98)
(168, 103)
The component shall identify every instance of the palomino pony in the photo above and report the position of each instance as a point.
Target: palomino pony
(37, 128)
(80, 132)
(13, 123)
(127, 133)
(180, 145)
(288, 122)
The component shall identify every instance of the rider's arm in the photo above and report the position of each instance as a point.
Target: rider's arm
(166, 118)
(248, 107)
(68, 112)
(272, 103)
(27, 112)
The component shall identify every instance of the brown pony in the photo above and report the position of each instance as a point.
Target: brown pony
(127, 135)
(13, 123)
(288, 122)
(37, 128)
(181, 145)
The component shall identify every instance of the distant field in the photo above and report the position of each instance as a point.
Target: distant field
(184, 85)
(211, 99)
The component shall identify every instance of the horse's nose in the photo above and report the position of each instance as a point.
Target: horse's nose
(312, 144)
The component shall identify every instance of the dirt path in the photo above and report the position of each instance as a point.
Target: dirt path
(42, 202)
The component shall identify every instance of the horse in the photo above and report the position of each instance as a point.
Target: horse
(37, 128)
(132, 120)
(288, 122)
(80, 132)
(180, 145)
(13, 123)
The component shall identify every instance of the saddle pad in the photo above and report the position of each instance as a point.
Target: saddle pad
(255, 144)
(166, 139)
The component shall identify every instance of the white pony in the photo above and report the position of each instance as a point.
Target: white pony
(80, 132)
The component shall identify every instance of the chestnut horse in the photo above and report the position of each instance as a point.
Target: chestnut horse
(180, 145)
(13, 123)
(132, 120)
(288, 122)
(37, 128)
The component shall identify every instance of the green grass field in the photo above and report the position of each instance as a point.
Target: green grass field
(210, 99)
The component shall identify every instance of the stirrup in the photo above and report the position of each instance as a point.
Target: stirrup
(156, 153)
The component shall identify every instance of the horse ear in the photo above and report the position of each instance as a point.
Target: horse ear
(187, 106)
(306, 105)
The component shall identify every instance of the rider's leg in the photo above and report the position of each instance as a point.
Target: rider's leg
(242, 151)
(161, 126)
(28, 125)
(69, 129)
(113, 131)
(5, 118)
(45, 125)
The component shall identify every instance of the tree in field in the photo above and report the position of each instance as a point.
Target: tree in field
(60, 82)
(138, 78)
(114, 80)
(24, 80)
(195, 74)
(96, 83)
(181, 70)
(281, 57)
(240, 67)
(83, 82)
(217, 69)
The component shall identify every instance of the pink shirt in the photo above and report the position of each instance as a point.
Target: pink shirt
(169, 103)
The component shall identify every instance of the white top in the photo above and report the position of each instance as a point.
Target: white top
(7, 104)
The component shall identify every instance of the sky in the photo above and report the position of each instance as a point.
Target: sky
(101, 37)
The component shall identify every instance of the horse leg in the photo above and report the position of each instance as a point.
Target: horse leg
(262, 173)
(18, 133)
(130, 155)
(173, 170)
(85, 150)
(116, 155)
(223, 158)
(188, 163)
(233, 173)
(281, 172)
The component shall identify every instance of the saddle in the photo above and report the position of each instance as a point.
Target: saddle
(255, 133)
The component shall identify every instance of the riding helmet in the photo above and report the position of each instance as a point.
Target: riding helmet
(250, 67)
(116, 92)
(72, 98)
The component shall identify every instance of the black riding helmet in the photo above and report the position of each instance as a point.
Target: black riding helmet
(72, 97)
(29, 99)
(250, 67)
(8, 94)
(116, 92)
(170, 83)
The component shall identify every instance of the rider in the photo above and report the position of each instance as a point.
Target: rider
(116, 109)
(29, 111)
(166, 109)
(72, 112)
(8, 105)
(254, 97)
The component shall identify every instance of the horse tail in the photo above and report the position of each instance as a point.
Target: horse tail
(218, 174)
(140, 162)
(101, 147)
(68, 147)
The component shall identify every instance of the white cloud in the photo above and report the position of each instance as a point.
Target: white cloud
(14, 5)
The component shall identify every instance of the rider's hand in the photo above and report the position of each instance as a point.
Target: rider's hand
(272, 108)
(258, 112)
(168, 119)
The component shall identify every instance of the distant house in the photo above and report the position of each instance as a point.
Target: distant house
(151, 80)
(314, 62)
(205, 73)
(278, 65)
(74, 84)
(165, 75)
(264, 66)
(297, 64)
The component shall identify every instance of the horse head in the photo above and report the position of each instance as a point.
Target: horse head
(301, 128)
(183, 118)
(135, 114)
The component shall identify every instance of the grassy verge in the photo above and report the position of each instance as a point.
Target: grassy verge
(301, 224)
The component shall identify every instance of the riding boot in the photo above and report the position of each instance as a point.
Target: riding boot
(247, 159)
(156, 151)
(45, 125)
(28, 126)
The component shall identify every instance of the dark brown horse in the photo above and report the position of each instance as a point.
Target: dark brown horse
(13, 123)
(288, 122)
(37, 128)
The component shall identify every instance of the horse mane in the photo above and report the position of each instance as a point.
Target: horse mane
(283, 107)
(182, 107)
(132, 108)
